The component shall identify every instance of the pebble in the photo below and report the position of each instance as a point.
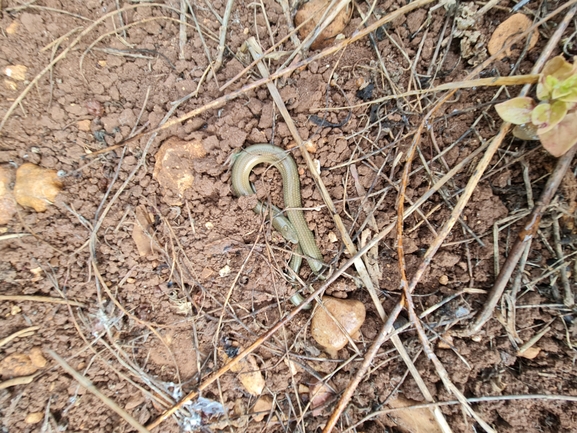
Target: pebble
(350, 314)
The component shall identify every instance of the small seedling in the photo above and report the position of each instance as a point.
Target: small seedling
(553, 120)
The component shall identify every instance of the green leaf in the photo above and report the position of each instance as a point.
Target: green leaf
(547, 116)
(565, 87)
(570, 97)
(540, 115)
(558, 112)
(516, 111)
(558, 68)
(543, 92)
(562, 137)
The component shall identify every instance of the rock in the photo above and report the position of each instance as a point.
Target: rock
(34, 418)
(173, 169)
(329, 34)
(350, 314)
(22, 364)
(36, 187)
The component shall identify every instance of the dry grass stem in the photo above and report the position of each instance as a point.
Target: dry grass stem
(34, 298)
(26, 332)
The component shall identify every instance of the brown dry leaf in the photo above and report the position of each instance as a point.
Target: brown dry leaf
(141, 227)
(16, 72)
(36, 187)
(249, 372)
(319, 394)
(21, 364)
(413, 420)
(317, 8)
(34, 417)
(530, 353)
(174, 170)
(509, 28)
(251, 378)
(7, 202)
(263, 405)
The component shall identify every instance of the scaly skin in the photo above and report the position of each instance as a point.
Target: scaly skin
(295, 228)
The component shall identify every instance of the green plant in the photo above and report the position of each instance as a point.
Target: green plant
(553, 120)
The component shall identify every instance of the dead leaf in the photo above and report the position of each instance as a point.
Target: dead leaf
(249, 372)
(329, 34)
(413, 420)
(530, 353)
(319, 394)
(16, 72)
(7, 202)
(36, 187)
(251, 376)
(262, 405)
(21, 364)
(173, 169)
(508, 29)
(34, 417)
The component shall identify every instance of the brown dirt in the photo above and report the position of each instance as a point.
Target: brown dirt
(211, 248)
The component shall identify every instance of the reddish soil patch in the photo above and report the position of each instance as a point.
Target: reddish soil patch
(214, 280)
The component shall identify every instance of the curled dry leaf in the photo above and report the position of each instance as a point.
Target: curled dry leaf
(22, 364)
(174, 167)
(7, 202)
(508, 29)
(36, 187)
(530, 353)
(317, 8)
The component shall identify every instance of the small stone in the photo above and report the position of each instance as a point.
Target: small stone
(174, 167)
(12, 28)
(36, 187)
(16, 72)
(443, 280)
(350, 314)
(83, 125)
(224, 271)
(34, 417)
